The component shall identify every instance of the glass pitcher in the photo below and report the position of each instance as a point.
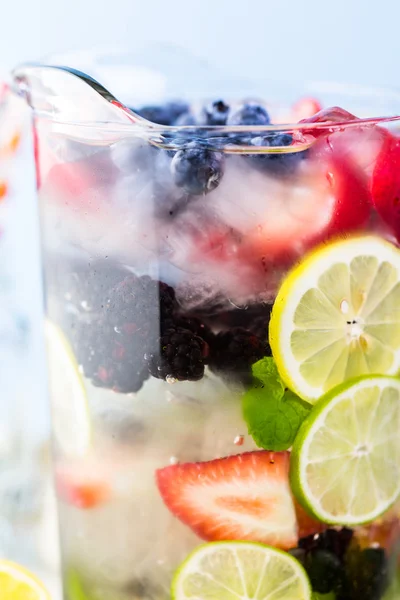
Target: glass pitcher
(222, 273)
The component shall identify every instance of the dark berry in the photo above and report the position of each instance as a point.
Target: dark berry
(366, 575)
(197, 170)
(275, 163)
(111, 360)
(138, 299)
(196, 326)
(332, 540)
(165, 114)
(234, 351)
(324, 570)
(187, 119)
(216, 113)
(251, 113)
(84, 286)
(181, 355)
(112, 348)
(168, 200)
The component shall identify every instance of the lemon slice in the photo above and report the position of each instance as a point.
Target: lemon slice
(245, 570)
(345, 462)
(337, 316)
(70, 408)
(16, 583)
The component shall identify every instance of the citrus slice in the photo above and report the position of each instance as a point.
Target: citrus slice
(232, 570)
(71, 418)
(337, 316)
(16, 583)
(345, 461)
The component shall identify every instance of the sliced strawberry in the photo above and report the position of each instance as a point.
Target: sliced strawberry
(242, 497)
(82, 488)
(385, 185)
(305, 108)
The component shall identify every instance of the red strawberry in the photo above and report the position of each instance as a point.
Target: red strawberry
(242, 497)
(81, 488)
(330, 197)
(385, 185)
(80, 184)
(305, 108)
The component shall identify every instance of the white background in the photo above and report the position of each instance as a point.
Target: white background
(341, 40)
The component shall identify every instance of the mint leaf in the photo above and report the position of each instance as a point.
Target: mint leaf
(273, 414)
(265, 371)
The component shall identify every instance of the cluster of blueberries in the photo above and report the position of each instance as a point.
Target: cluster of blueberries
(196, 161)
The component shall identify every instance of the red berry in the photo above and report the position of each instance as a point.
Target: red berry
(81, 489)
(329, 198)
(385, 185)
(242, 497)
(305, 108)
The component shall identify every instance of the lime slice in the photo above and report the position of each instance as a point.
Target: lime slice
(345, 462)
(232, 570)
(337, 316)
(16, 583)
(71, 418)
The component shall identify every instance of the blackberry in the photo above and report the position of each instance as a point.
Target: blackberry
(235, 350)
(324, 570)
(181, 354)
(84, 287)
(365, 575)
(332, 540)
(112, 347)
(196, 326)
(138, 301)
(111, 360)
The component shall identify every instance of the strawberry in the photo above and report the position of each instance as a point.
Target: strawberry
(81, 488)
(329, 198)
(80, 184)
(385, 184)
(242, 497)
(305, 108)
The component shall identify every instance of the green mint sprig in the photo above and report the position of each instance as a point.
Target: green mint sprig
(273, 414)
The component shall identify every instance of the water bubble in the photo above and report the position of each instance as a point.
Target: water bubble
(85, 305)
(344, 307)
(173, 460)
(239, 440)
(117, 329)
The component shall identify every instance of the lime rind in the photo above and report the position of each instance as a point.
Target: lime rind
(191, 567)
(313, 424)
(305, 376)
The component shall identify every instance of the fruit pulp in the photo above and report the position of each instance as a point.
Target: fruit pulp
(162, 264)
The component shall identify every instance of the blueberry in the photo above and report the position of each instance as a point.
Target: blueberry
(164, 114)
(250, 114)
(186, 119)
(324, 570)
(276, 163)
(197, 170)
(167, 199)
(216, 113)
